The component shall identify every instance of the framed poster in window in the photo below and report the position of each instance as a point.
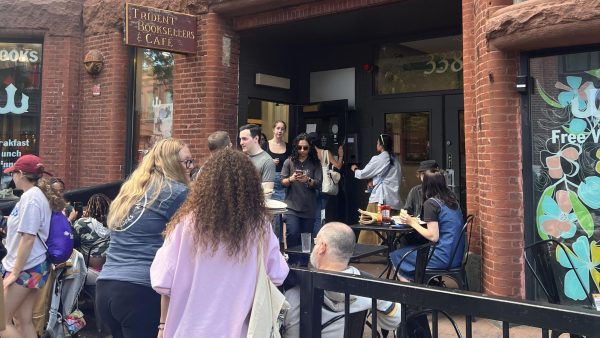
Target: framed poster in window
(416, 140)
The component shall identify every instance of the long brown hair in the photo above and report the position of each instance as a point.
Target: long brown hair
(226, 205)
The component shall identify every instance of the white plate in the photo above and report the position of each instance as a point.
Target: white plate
(275, 204)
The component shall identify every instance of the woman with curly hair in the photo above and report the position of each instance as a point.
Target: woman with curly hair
(91, 235)
(301, 175)
(25, 268)
(207, 268)
(137, 219)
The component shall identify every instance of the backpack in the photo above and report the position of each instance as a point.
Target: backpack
(60, 239)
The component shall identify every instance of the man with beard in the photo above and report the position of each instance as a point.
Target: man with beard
(332, 251)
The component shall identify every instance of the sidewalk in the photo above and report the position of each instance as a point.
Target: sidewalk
(482, 328)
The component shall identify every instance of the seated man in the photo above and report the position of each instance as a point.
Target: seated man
(414, 200)
(332, 251)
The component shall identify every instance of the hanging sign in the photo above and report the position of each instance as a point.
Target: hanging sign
(160, 29)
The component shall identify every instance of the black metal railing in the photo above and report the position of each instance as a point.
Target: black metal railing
(577, 320)
(80, 195)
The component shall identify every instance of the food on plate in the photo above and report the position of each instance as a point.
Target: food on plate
(367, 217)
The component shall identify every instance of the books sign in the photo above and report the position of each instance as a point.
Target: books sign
(160, 29)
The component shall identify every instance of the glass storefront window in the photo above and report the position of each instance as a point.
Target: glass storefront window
(410, 132)
(419, 66)
(20, 100)
(565, 133)
(153, 99)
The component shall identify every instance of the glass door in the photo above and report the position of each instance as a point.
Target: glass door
(426, 128)
(410, 132)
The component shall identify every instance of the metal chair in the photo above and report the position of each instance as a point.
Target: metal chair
(354, 325)
(544, 273)
(459, 273)
(89, 291)
(416, 320)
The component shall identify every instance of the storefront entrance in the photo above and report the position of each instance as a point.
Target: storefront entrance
(392, 79)
(425, 128)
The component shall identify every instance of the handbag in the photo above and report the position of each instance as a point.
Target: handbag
(269, 306)
(331, 178)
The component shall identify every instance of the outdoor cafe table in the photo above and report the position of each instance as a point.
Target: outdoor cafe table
(360, 250)
(389, 235)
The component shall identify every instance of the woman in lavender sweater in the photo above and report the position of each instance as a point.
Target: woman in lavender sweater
(206, 270)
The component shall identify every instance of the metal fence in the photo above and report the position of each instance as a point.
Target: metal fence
(81, 195)
(560, 318)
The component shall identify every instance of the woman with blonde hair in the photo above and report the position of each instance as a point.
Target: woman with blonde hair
(137, 219)
(207, 268)
(25, 268)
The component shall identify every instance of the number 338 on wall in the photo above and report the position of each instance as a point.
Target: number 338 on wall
(444, 64)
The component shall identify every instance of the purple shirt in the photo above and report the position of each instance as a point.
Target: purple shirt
(211, 296)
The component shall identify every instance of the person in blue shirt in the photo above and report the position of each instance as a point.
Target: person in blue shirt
(444, 220)
(137, 219)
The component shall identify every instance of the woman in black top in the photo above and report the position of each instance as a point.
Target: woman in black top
(279, 151)
(302, 177)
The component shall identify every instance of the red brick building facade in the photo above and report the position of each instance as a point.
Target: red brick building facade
(84, 137)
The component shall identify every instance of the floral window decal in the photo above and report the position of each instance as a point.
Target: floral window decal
(566, 135)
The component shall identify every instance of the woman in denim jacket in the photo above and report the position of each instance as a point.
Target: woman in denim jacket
(137, 219)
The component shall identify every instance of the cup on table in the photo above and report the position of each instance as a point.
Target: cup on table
(306, 239)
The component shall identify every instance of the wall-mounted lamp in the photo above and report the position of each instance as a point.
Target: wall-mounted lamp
(272, 81)
(93, 62)
(522, 84)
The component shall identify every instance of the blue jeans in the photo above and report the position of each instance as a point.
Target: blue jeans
(278, 189)
(294, 226)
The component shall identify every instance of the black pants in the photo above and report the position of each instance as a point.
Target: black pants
(129, 310)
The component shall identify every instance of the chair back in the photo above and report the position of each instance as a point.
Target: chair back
(424, 253)
(540, 262)
(355, 324)
(466, 236)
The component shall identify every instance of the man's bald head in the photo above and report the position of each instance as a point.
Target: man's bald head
(340, 241)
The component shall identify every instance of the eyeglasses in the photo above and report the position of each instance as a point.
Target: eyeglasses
(303, 147)
(188, 163)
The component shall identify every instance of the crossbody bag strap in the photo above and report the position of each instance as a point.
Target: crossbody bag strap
(384, 175)
(41, 240)
(326, 157)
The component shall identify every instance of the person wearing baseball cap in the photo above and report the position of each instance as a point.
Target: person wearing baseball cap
(25, 268)
(414, 200)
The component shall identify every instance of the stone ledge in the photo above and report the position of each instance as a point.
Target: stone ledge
(539, 24)
(30, 17)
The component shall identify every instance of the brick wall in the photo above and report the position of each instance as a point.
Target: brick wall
(494, 154)
(206, 86)
(102, 121)
(60, 106)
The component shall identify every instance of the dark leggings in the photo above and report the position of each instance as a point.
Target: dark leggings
(129, 310)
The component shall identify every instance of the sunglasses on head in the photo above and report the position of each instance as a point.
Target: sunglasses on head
(303, 147)
(381, 138)
(187, 163)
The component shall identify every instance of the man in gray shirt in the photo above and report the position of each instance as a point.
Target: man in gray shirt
(333, 248)
(249, 141)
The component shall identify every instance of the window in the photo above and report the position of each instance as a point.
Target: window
(153, 108)
(565, 171)
(20, 99)
(418, 66)
(410, 132)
